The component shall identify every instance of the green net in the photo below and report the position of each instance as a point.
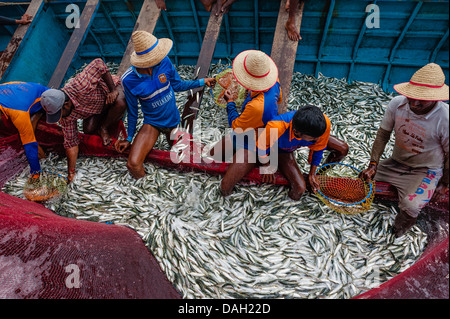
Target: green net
(45, 186)
(342, 190)
(226, 80)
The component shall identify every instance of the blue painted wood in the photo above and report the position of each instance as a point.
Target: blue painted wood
(38, 55)
(397, 43)
(197, 24)
(356, 47)
(324, 35)
(336, 40)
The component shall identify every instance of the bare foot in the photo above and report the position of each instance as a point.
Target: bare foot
(288, 4)
(207, 4)
(104, 134)
(293, 34)
(161, 4)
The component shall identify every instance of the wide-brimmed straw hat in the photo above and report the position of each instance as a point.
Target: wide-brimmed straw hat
(148, 50)
(255, 70)
(427, 84)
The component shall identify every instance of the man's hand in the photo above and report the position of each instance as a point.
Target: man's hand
(268, 178)
(121, 146)
(112, 96)
(313, 182)
(368, 173)
(210, 81)
(439, 193)
(228, 95)
(71, 175)
(25, 19)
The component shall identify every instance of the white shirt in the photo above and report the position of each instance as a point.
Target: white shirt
(420, 140)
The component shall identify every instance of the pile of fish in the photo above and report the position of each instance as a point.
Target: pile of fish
(255, 243)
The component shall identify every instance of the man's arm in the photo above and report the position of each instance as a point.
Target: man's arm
(25, 19)
(72, 155)
(378, 147)
(113, 92)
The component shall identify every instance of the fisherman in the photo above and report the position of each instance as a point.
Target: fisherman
(94, 96)
(307, 126)
(257, 72)
(418, 166)
(21, 104)
(151, 80)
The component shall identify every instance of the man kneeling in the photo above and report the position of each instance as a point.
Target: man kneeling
(287, 132)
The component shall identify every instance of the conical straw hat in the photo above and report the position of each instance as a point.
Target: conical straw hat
(148, 50)
(427, 84)
(255, 70)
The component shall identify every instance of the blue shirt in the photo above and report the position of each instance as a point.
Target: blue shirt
(286, 141)
(155, 94)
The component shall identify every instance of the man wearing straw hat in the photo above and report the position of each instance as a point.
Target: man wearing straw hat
(418, 166)
(151, 80)
(257, 72)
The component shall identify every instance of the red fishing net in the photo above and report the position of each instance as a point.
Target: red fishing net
(43, 255)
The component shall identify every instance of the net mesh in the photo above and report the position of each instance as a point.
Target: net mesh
(46, 256)
(44, 186)
(341, 189)
(226, 80)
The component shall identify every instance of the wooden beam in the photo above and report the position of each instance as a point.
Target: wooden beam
(146, 21)
(77, 38)
(284, 52)
(202, 68)
(33, 9)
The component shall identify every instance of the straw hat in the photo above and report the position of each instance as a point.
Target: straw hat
(426, 84)
(255, 70)
(148, 50)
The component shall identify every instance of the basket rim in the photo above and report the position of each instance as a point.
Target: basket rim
(215, 77)
(340, 203)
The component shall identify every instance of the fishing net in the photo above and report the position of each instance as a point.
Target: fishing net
(341, 189)
(47, 256)
(44, 186)
(225, 80)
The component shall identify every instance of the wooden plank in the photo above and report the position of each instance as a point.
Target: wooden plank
(77, 37)
(284, 52)
(202, 68)
(33, 9)
(148, 17)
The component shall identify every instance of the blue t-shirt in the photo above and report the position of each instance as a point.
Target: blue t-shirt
(156, 95)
